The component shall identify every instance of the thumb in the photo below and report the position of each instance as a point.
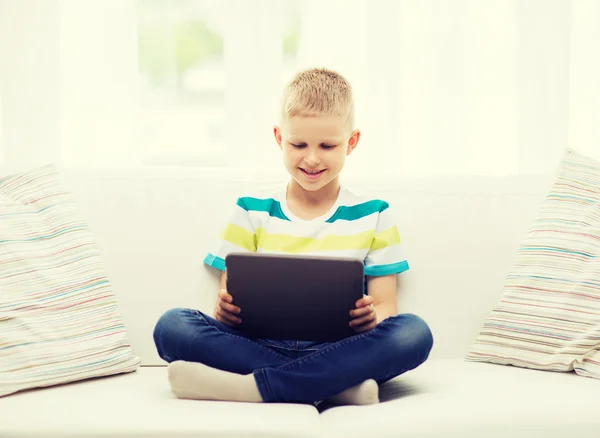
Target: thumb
(364, 301)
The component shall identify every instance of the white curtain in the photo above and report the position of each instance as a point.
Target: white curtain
(463, 87)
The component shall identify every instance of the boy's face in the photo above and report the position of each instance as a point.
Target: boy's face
(315, 149)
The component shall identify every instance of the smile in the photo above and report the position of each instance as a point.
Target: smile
(312, 174)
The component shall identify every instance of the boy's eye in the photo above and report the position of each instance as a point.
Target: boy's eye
(323, 145)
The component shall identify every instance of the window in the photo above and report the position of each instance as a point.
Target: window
(188, 57)
(455, 88)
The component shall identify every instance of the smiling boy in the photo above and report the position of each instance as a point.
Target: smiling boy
(312, 214)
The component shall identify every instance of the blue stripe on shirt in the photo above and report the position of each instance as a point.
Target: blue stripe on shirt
(381, 270)
(268, 205)
(354, 212)
(215, 262)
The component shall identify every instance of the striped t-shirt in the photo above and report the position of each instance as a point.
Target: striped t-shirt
(356, 227)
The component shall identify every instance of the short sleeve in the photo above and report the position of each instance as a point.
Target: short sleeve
(238, 236)
(385, 255)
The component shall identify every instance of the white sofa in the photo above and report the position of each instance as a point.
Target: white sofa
(460, 234)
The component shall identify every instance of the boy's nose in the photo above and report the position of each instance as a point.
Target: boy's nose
(312, 159)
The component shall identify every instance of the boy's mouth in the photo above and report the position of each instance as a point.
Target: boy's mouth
(312, 174)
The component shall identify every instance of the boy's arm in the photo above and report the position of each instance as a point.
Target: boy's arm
(222, 285)
(382, 290)
(225, 311)
(223, 280)
(379, 305)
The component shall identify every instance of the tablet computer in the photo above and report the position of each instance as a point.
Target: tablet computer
(287, 297)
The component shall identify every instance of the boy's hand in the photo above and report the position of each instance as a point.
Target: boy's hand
(225, 311)
(364, 317)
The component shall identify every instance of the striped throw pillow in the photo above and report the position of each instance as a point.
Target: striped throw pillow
(59, 321)
(548, 316)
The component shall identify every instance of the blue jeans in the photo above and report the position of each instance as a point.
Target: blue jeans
(296, 371)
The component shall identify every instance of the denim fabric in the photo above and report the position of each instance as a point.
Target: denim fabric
(296, 371)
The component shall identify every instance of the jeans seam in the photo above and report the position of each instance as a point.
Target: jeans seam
(269, 344)
(201, 316)
(335, 345)
(328, 348)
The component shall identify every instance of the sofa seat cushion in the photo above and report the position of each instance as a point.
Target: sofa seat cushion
(458, 399)
(447, 398)
(141, 404)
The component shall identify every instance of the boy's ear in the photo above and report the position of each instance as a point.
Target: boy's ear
(353, 141)
(278, 138)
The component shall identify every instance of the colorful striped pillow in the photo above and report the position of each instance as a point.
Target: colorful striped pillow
(59, 321)
(548, 317)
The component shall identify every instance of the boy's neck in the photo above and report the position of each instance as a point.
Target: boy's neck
(325, 195)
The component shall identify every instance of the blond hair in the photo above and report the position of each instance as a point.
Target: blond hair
(318, 92)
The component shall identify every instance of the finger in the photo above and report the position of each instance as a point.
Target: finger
(230, 308)
(361, 311)
(228, 321)
(225, 296)
(364, 301)
(228, 317)
(365, 328)
(367, 319)
(221, 319)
